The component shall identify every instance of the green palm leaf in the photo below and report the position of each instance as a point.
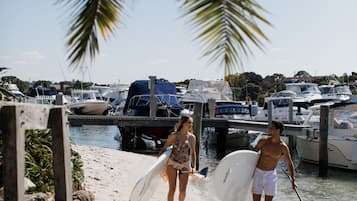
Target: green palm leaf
(225, 28)
(89, 16)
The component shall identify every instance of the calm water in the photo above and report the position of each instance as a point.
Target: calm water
(340, 185)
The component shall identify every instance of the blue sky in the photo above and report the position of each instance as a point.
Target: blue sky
(318, 36)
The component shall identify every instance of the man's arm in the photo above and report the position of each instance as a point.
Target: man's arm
(260, 144)
(290, 164)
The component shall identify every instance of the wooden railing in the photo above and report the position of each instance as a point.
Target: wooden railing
(15, 119)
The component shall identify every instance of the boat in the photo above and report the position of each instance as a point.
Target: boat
(342, 137)
(281, 108)
(85, 102)
(304, 90)
(138, 104)
(234, 110)
(114, 94)
(335, 91)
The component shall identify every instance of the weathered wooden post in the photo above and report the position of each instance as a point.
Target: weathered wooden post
(290, 111)
(153, 101)
(13, 153)
(61, 154)
(197, 129)
(270, 112)
(323, 140)
(59, 99)
(211, 107)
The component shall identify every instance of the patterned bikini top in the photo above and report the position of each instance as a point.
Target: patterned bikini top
(181, 149)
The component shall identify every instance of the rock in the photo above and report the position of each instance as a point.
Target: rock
(82, 195)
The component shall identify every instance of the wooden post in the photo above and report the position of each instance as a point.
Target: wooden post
(13, 152)
(290, 111)
(153, 101)
(61, 154)
(59, 99)
(211, 107)
(221, 142)
(323, 140)
(197, 130)
(270, 112)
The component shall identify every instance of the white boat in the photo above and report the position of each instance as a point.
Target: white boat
(335, 91)
(342, 139)
(308, 91)
(85, 102)
(280, 109)
(237, 110)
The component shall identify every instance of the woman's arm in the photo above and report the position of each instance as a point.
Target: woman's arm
(170, 140)
(193, 152)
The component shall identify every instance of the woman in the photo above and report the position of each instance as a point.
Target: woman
(182, 158)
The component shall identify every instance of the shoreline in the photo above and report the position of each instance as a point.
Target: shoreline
(111, 174)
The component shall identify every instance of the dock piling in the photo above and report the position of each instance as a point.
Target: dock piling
(323, 140)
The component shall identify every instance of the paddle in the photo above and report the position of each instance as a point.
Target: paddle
(202, 172)
(256, 140)
(290, 181)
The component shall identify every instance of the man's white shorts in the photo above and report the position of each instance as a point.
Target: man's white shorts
(265, 181)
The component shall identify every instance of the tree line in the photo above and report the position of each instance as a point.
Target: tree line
(245, 86)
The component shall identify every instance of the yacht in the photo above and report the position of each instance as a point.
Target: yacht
(342, 137)
(85, 102)
(306, 91)
(335, 91)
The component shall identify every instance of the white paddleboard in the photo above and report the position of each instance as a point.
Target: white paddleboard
(233, 176)
(145, 186)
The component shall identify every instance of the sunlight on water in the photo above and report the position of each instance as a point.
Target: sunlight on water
(340, 185)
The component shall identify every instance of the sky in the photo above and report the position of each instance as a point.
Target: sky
(318, 36)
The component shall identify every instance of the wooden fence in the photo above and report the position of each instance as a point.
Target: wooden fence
(15, 119)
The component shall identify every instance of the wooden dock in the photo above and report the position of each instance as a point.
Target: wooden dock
(121, 121)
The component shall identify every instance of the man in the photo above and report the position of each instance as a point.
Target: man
(265, 177)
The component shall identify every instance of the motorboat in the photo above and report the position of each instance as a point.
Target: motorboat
(342, 137)
(308, 91)
(281, 107)
(85, 102)
(335, 91)
(138, 104)
(235, 110)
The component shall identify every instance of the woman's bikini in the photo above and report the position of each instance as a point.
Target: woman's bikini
(180, 157)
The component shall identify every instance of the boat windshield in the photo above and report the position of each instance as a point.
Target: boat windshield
(303, 88)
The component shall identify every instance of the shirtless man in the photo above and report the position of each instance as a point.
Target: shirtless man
(265, 177)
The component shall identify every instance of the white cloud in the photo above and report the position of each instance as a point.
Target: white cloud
(33, 55)
(157, 61)
(30, 57)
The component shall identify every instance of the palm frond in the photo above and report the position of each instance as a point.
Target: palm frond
(225, 28)
(89, 17)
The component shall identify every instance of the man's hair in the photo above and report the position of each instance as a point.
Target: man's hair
(278, 125)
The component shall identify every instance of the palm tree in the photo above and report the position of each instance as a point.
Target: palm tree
(223, 27)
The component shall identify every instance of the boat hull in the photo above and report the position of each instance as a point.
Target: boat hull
(341, 153)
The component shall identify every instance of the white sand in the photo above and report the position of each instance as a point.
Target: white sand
(111, 174)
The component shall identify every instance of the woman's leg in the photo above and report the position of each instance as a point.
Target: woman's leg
(172, 174)
(183, 179)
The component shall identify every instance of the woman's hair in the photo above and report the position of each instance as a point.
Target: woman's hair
(183, 119)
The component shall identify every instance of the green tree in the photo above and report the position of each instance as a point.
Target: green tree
(225, 28)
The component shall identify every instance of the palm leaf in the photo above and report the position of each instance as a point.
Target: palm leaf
(225, 28)
(89, 17)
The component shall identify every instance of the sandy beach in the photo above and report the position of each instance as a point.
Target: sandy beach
(111, 174)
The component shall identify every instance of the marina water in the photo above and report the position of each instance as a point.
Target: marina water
(340, 185)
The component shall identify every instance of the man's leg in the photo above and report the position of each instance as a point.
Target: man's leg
(268, 198)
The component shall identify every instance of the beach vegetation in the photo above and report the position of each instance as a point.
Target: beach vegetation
(39, 162)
